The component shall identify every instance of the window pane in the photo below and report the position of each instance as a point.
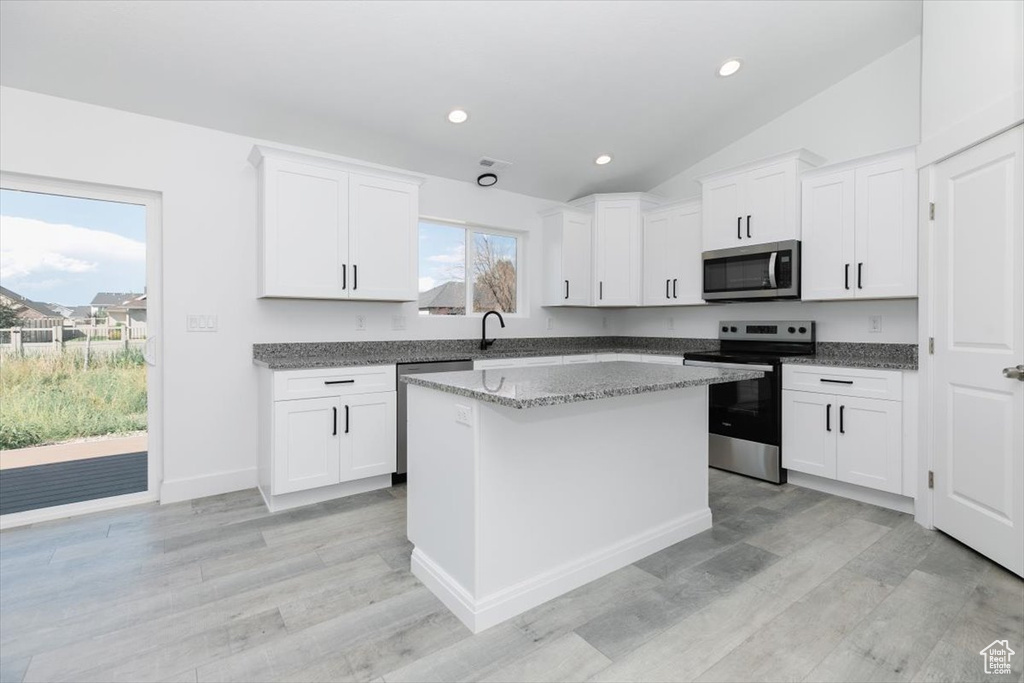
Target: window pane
(494, 272)
(442, 269)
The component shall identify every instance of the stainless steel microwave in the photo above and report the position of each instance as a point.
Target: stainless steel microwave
(759, 271)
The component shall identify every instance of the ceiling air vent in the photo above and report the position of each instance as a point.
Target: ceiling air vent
(494, 164)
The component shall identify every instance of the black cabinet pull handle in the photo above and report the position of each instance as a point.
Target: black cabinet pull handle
(346, 419)
(846, 276)
(355, 277)
(600, 289)
(836, 381)
(860, 274)
(344, 276)
(675, 292)
(334, 429)
(340, 381)
(667, 295)
(842, 428)
(748, 226)
(566, 289)
(739, 227)
(828, 418)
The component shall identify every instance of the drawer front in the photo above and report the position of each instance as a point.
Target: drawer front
(663, 360)
(859, 382)
(295, 384)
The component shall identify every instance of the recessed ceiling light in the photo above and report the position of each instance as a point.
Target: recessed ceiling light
(603, 159)
(457, 116)
(730, 67)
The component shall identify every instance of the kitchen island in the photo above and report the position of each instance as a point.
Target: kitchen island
(526, 483)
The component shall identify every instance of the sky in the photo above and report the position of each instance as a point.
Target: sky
(64, 250)
(442, 254)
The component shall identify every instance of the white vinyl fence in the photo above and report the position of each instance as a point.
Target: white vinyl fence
(53, 336)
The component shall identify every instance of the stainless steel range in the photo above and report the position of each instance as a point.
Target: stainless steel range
(745, 418)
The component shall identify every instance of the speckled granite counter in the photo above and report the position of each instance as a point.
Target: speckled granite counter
(854, 355)
(555, 385)
(297, 356)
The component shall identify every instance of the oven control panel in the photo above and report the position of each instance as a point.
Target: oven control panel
(767, 330)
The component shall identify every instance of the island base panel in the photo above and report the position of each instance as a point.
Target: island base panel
(520, 506)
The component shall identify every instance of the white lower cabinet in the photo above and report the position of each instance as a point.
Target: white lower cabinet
(340, 439)
(833, 433)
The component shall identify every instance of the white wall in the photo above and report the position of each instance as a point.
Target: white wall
(972, 73)
(209, 256)
(873, 110)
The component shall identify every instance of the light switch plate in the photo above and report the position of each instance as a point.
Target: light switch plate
(398, 322)
(195, 322)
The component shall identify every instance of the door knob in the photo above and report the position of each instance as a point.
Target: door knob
(1016, 373)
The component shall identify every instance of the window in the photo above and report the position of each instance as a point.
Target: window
(492, 271)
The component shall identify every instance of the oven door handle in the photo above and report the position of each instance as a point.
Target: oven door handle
(728, 366)
(771, 270)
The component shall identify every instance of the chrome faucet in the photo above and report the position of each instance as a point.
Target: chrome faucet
(484, 341)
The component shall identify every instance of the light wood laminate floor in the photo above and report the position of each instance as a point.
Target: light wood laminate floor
(790, 584)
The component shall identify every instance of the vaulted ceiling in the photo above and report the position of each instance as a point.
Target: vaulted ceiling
(548, 85)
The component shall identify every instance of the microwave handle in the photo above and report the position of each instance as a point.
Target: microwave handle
(771, 270)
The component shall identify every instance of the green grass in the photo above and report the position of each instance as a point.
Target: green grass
(52, 398)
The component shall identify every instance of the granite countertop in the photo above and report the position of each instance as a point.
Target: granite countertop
(560, 384)
(854, 355)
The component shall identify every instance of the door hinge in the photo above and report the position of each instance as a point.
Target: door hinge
(931, 479)
(931, 345)
(931, 211)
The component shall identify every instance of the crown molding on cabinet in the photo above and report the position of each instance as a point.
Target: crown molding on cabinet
(260, 152)
(860, 161)
(797, 154)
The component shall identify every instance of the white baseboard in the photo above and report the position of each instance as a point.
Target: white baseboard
(176, 490)
(16, 519)
(480, 614)
(883, 499)
(287, 501)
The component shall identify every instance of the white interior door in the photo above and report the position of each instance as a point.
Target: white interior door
(978, 300)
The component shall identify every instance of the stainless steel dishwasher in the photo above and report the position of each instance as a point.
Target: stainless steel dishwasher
(416, 369)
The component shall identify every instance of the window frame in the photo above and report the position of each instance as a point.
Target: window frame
(470, 229)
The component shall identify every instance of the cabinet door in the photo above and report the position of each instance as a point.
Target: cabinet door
(368, 433)
(886, 253)
(383, 242)
(827, 251)
(869, 444)
(657, 257)
(723, 209)
(304, 230)
(770, 196)
(809, 429)
(577, 245)
(617, 254)
(306, 442)
(686, 268)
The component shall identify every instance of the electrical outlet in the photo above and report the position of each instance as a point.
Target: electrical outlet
(464, 415)
(398, 322)
(201, 323)
(604, 322)
(360, 323)
(671, 323)
(551, 323)
(874, 323)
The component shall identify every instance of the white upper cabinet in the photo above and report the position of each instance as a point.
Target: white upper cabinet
(672, 255)
(617, 246)
(860, 229)
(567, 258)
(756, 203)
(331, 229)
